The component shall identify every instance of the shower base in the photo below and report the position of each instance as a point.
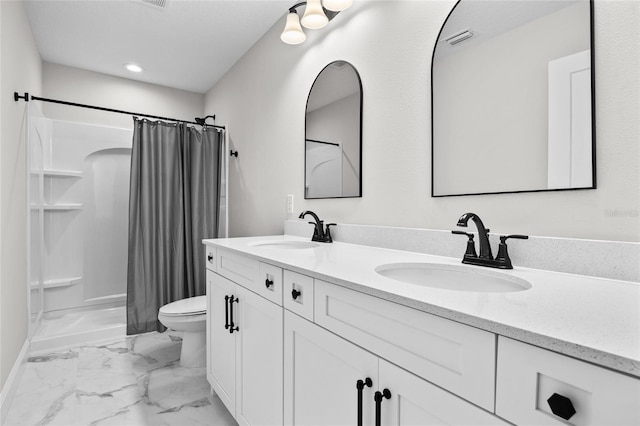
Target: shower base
(71, 328)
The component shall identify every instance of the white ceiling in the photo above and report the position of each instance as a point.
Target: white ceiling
(187, 44)
(490, 18)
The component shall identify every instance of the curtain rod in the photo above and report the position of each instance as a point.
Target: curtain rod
(16, 97)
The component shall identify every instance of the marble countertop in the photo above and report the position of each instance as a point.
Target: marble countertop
(592, 319)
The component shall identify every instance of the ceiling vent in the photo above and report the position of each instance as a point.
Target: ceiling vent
(458, 37)
(156, 3)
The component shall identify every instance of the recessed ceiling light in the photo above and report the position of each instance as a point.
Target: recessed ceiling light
(133, 67)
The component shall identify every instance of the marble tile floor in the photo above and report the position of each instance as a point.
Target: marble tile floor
(135, 381)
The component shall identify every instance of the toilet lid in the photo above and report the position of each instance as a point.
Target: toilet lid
(188, 306)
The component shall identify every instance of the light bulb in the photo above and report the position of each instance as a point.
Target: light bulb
(293, 33)
(133, 67)
(337, 5)
(314, 16)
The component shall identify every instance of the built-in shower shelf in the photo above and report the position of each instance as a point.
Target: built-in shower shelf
(58, 282)
(59, 173)
(57, 207)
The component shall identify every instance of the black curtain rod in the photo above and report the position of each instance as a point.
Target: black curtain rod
(16, 97)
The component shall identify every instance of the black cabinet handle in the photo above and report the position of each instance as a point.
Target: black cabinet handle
(377, 397)
(295, 294)
(561, 406)
(360, 384)
(210, 258)
(232, 326)
(268, 283)
(226, 312)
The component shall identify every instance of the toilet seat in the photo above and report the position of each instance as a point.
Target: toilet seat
(185, 307)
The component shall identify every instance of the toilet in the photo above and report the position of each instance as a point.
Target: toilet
(189, 316)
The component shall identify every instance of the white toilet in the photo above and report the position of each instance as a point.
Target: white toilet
(189, 316)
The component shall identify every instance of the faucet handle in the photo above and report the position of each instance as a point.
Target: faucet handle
(315, 228)
(504, 238)
(468, 234)
(471, 245)
(503, 259)
(327, 233)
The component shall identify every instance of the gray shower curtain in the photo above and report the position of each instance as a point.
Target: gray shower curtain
(173, 205)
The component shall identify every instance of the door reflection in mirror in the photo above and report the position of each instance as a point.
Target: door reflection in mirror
(512, 98)
(333, 134)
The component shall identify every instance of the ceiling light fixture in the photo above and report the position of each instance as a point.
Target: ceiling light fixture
(133, 67)
(337, 5)
(316, 15)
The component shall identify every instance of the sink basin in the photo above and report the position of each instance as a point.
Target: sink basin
(453, 277)
(284, 244)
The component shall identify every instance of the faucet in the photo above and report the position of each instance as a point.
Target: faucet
(485, 258)
(319, 233)
(483, 234)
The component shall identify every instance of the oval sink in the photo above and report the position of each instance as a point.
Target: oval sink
(453, 277)
(284, 245)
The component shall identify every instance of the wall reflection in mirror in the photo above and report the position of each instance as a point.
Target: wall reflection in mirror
(512, 98)
(333, 134)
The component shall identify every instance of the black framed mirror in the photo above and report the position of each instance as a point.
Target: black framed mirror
(512, 98)
(333, 134)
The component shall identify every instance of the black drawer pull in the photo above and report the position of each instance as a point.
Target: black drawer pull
(561, 406)
(210, 257)
(377, 397)
(295, 294)
(226, 312)
(232, 326)
(268, 283)
(360, 384)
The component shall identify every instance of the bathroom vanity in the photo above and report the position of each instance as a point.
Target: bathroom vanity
(305, 333)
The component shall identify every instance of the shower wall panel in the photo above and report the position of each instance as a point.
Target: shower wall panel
(84, 175)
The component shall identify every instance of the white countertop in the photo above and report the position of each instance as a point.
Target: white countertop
(592, 319)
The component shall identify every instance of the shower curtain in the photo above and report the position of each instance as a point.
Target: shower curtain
(174, 203)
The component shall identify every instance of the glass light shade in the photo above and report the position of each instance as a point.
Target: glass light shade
(337, 5)
(293, 33)
(314, 16)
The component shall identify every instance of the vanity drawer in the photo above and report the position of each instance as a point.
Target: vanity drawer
(528, 376)
(240, 269)
(210, 257)
(454, 356)
(298, 294)
(269, 284)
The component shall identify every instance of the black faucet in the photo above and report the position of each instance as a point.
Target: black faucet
(502, 260)
(483, 234)
(319, 233)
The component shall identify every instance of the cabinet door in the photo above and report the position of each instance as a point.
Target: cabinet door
(415, 401)
(222, 348)
(320, 375)
(259, 362)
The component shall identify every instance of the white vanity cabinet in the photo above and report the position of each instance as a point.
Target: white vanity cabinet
(320, 372)
(528, 376)
(321, 375)
(244, 339)
(308, 352)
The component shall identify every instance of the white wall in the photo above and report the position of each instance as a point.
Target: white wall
(92, 88)
(262, 101)
(21, 70)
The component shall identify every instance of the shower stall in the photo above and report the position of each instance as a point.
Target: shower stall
(78, 215)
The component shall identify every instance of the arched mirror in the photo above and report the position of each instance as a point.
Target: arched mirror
(333, 134)
(513, 98)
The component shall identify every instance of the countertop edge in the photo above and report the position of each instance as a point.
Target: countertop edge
(617, 363)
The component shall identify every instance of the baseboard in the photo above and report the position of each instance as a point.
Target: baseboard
(10, 386)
